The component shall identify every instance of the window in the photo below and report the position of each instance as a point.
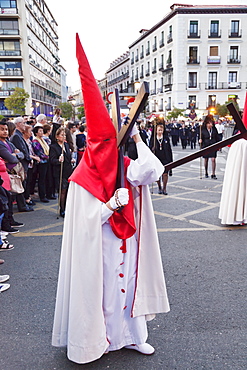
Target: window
(213, 51)
(233, 53)
(235, 27)
(232, 77)
(148, 48)
(169, 59)
(212, 80)
(7, 3)
(169, 36)
(194, 28)
(155, 43)
(192, 102)
(214, 28)
(162, 39)
(192, 79)
(193, 50)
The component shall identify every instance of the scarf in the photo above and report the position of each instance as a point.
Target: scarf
(44, 145)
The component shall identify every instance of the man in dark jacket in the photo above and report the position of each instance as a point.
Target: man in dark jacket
(19, 142)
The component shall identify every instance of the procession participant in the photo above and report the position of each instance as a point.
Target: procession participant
(111, 277)
(233, 203)
(209, 136)
(162, 150)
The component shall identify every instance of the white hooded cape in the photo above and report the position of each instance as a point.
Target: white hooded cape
(233, 204)
(79, 321)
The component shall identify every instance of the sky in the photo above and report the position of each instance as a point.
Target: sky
(107, 28)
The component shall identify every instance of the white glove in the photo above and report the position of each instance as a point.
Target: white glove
(134, 131)
(120, 198)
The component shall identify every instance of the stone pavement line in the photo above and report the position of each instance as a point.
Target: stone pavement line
(34, 232)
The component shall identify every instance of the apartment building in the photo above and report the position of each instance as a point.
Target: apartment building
(194, 58)
(29, 55)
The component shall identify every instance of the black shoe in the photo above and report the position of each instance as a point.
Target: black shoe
(165, 193)
(44, 200)
(213, 177)
(160, 191)
(52, 197)
(62, 214)
(10, 229)
(16, 224)
(206, 175)
(27, 209)
(31, 203)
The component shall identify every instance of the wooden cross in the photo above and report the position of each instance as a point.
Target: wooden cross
(129, 121)
(220, 144)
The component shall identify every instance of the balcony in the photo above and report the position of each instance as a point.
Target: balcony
(141, 75)
(194, 35)
(132, 61)
(154, 47)
(161, 67)
(153, 92)
(6, 92)
(136, 77)
(9, 32)
(194, 106)
(233, 60)
(162, 43)
(168, 87)
(193, 60)
(136, 58)
(223, 86)
(154, 70)
(193, 86)
(168, 64)
(10, 53)
(234, 34)
(147, 72)
(169, 38)
(214, 35)
(213, 60)
(11, 72)
(147, 51)
(160, 90)
(142, 55)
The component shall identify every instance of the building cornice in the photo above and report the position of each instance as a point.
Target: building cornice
(193, 10)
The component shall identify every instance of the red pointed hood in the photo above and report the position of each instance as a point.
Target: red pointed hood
(98, 167)
(97, 170)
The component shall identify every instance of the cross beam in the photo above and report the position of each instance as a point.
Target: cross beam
(220, 144)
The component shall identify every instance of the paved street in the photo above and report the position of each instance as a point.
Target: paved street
(205, 269)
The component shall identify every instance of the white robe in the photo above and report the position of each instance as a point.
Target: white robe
(233, 204)
(104, 296)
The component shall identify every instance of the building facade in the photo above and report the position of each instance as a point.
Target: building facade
(29, 55)
(193, 59)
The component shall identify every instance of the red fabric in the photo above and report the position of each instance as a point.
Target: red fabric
(245, 112)
(97, 170)
(4, 175)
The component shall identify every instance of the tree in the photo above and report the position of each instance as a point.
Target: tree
(81, 112)
(175, 113)
(17, 101)
(222, 110)
(67, 110)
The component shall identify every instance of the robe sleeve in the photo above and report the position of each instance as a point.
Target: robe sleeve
(146, 169)
(105, 213)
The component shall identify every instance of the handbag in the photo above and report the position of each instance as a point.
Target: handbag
(15, 183)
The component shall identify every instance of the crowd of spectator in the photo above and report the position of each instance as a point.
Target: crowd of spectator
(37, 157)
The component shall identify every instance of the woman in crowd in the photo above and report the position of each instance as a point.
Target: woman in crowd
(50, 187)
(34, 160)
(161, 148)
(61, 158)
(41, 149)
(209, 136)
